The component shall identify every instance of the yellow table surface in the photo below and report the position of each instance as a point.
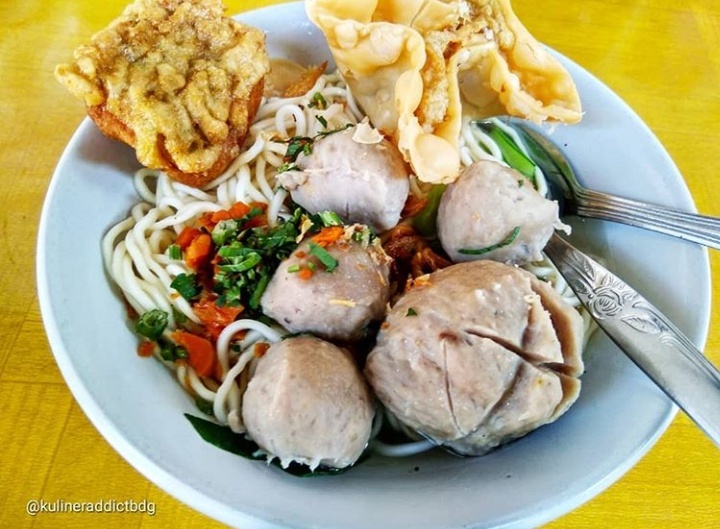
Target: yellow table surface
(661, 56)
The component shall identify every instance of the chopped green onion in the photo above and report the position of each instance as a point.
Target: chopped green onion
(241, 266)
(171, 352)
(330, 218)
(186, 285)
(411, 312)
(311, 265)
(223, 231)
(174, 252)
(292, 269)
(259, 291)
(322, 121)
(505, 242)
(152, 324)
(324, 256)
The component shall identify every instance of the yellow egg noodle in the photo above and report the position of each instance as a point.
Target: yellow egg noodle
(135, 251)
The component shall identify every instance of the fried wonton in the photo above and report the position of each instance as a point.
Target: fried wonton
(175, 79)
(418, 66)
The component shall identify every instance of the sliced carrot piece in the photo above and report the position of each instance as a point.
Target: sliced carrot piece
(305, 273)
(215, 318)
(328, 235)
(187, 236)
(201, 353)
(198, 252)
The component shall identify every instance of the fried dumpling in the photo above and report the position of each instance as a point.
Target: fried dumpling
(417, 67)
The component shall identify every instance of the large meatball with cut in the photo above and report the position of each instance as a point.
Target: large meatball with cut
(308, 402)
(494, 212)
(336, 302)
(476, 355)
(357, 174)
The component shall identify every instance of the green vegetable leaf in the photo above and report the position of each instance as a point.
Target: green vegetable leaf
(505, 242)
(411, 312)
(425, 222)
(186, 285)
(328, 261)
(511, 153)
(322, 121)
(225, 439)
(152, 323)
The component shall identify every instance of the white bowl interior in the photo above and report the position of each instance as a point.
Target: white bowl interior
(138, 406)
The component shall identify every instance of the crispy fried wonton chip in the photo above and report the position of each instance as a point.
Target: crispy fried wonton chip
(175, 79)
(418, 66)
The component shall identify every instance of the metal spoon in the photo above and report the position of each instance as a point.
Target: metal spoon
(574, 199)
(644, 334)
(639, 329)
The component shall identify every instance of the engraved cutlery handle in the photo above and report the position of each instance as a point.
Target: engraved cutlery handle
(642, 332)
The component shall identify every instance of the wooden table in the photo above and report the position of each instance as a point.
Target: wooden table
(661, 56)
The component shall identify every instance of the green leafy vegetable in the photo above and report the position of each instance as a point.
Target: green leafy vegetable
(425, 221)
(411, 312)
(152, 324)
(511, 153)
(322, 121)
(224, 438)
(505, 242)
(186, 285)
(328, 261)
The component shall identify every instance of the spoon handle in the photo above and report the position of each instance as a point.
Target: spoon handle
(700, 229)
(642, 332)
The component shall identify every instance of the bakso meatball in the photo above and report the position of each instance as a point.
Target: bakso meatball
(360, 176)
(494, 212)
(477, 355)
(336, 302)
(308, 402)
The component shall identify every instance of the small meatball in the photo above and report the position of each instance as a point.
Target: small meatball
(308, 402)
(337, 304)
(477, 355)
(491, 205)
(365, 183)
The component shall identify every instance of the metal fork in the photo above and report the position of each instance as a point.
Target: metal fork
(574, 199)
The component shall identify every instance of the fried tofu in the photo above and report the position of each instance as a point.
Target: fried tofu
(175, 79)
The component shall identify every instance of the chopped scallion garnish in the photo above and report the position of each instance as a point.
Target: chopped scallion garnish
(328, 261)
(152, 323)
(174, 252)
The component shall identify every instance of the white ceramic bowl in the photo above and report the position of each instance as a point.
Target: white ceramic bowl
(138, 406)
